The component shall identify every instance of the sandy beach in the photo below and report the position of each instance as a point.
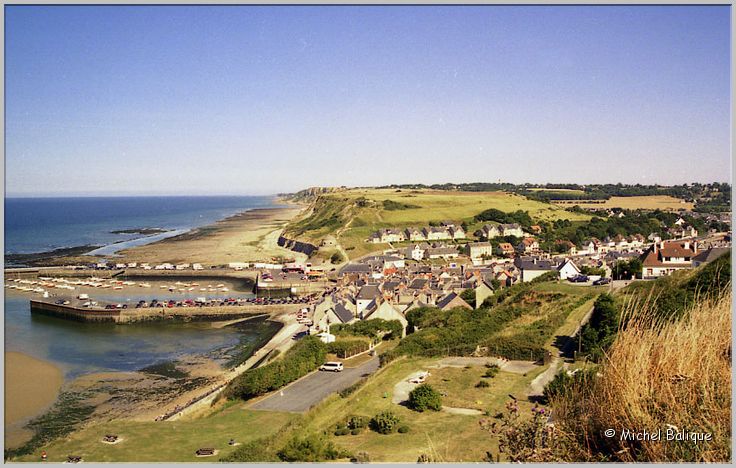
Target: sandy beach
(31, 386)
(248, 236)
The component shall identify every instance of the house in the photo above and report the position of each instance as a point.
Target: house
(456, 232)
(437, 233)
(511, 230)
(532, 267)
(664, 258)
(386, 311)
(414, 234)
(452, 301)
(536, 229)
(489, 231)
(388, 235)
(528, 245)
(368, 293)
(708, 255)
(329, 311)
(442, 252)
(589, 247)
(568, 269)
(505, 249)
(483, 291)
(568, 246)
(478, 250)
(416, 251)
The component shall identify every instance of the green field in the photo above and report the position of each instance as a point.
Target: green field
(175, 441)
(355, 214)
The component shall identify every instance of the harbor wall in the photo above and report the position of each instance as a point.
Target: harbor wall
(158, 314)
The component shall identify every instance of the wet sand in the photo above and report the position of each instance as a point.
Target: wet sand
(31, 386)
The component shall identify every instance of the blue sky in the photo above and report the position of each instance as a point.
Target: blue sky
(257, 100)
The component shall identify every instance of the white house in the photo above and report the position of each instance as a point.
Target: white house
(568, 269)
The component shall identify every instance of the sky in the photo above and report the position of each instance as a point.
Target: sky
(145, 100)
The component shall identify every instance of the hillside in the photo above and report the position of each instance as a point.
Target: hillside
(353, 215)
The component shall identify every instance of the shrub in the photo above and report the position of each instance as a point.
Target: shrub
(356, 431)
(482, 384)
(403, 429)
(356, 422)
(374, 329)
(312, 448)
(306, 355)
(344, 393)
(385, 422)
(345, 348)
(361, 457)
(336, 258)
(424, 397)
(491, 371)
(342, 431)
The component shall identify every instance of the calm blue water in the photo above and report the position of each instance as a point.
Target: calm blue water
(43, 224)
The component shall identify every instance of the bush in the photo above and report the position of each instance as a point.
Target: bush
(491, 371)
(361, 457)
(306, 355)
(403, 429)
(385, 422)
(345, 348)
(336, 258)
(482, 384)
(344, 393)
(424, 397)
(374, 329)
(312, 448)
(342, 431)
(356, 422)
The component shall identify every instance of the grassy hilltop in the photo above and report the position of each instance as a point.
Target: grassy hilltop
(352, 215)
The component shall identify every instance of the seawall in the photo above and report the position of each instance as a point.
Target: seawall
(150, 314)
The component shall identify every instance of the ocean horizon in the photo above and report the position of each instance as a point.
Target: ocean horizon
(43, 224)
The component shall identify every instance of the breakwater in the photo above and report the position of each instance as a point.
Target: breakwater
(157, 314)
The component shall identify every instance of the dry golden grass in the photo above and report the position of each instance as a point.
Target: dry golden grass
(657, 377)
(646, 202)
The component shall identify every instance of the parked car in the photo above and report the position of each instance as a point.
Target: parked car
(579, 279)
(331, 367)
(602, 281)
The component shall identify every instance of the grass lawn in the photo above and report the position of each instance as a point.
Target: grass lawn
(444, 436)
(174, 441)
(459, 385)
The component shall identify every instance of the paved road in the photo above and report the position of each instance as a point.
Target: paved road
(312, 389)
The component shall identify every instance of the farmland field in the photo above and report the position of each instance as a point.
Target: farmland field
(353, 215)
(650, 202)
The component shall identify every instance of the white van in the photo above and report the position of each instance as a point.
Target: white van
(331, 366)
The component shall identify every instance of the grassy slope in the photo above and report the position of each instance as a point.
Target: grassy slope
(174, 441)
(335, 211)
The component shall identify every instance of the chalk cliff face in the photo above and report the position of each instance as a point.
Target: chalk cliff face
(312, 192)
(297, 246)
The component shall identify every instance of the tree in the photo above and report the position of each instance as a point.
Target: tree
(424, 397)
(385, 422)
(468, 296)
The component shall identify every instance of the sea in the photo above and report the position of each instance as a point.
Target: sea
(44, 224)
(35, 225)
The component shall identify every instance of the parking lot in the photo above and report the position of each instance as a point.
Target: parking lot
(312, 389)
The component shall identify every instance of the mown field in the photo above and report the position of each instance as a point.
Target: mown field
(650, 202)
(355, 214)
(175, 441)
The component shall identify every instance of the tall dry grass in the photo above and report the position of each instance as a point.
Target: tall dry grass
(657, 376)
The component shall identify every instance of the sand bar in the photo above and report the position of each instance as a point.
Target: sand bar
(31, 386)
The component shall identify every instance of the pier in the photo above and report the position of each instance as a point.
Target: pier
(74, 310)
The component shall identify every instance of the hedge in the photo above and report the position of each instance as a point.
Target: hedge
(307, 355)
(345, 348)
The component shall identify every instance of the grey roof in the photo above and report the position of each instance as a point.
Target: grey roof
(355, 268)
(707, 256)
(446, 300)
(418, 283)
(342, 313)
(531, 264)
(442, 251)
(369, 291)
